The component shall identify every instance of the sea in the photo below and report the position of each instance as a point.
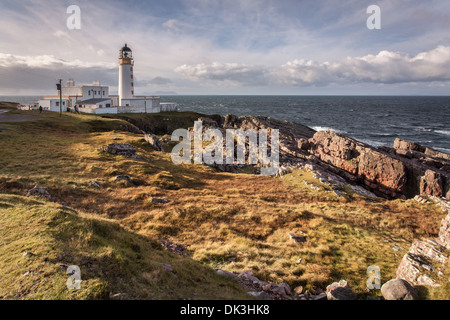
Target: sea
(375, 120)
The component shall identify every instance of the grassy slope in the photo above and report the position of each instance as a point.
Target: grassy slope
(235, 222)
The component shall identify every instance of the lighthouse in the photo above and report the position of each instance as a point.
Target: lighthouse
(95, 98)
(126, 80)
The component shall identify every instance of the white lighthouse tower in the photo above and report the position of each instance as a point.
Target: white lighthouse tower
(126, 80)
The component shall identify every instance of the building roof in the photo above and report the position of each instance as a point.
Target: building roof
(93, 101)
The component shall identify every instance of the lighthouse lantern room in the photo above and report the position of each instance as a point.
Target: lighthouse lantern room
(126, 80)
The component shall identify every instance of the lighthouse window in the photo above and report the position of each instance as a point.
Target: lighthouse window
(131, 68)
(131, 76)
(132, 84)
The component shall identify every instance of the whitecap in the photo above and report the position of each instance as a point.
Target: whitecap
(319, 128)
(446, 132)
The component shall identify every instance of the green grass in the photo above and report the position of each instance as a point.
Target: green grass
(112, 259)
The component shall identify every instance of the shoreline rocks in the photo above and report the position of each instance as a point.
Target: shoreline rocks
(403, 171)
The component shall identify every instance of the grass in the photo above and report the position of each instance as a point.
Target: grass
(236, 222)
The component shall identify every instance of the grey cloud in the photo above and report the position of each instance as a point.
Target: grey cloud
(41, 72)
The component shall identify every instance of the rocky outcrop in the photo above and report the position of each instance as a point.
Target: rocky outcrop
(361, 163)
(399, 289)
(386, 171)
(417, 150)
(423, 264)
(403, 171)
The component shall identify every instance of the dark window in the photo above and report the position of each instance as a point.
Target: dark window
(108, 105)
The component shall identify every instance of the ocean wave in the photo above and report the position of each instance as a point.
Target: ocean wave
(319, 128)
(446, 132)
(445, 150)
(422, 129)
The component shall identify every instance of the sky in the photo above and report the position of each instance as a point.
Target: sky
(248, 47)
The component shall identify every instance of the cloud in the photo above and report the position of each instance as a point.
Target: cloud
(234, 72)
(386, 67)
(40, 72)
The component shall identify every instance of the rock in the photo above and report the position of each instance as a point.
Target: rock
(431, 184)
(430, 249)
(444, 232)
(124, 149)
(297, 238)
(420, 266)
(413, 267)
(320, 296)
(411, 146)
(178, 249)
(160, 200)
(261, 295)
(123, 178)
(377, 170)
(389, 172)
(28, 254)
(94, 184)
(399, 289)
(286, 288)
(340, 291)
(39, 192)
(225, 273)
(153, 141)
(248, 275)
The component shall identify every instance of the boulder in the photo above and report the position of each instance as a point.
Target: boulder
(340, 291)
(399, 289)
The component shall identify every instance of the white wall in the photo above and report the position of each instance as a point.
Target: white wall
(126, 80)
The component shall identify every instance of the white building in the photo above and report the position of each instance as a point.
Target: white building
(95, 98)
